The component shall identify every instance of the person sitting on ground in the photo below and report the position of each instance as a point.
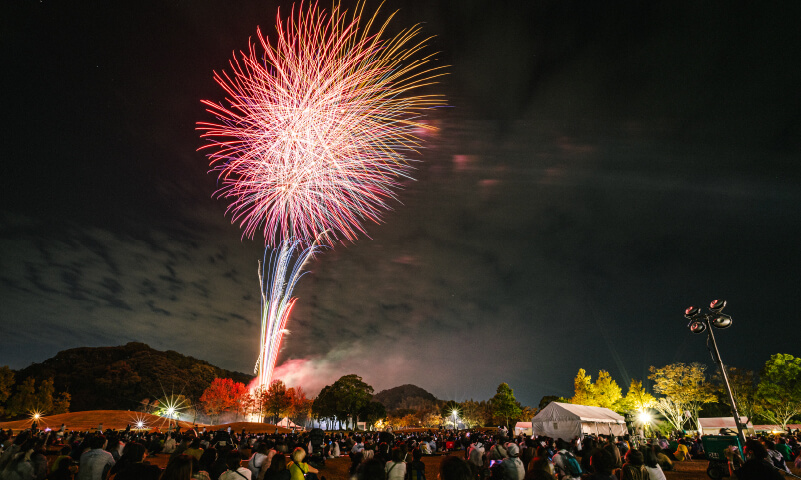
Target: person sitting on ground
(335, 451)
(370, 470)
(194, 449)
(235, 470)
(652, 464)
(206, 462)
(258, 460)
(96, 462)
(298, 469)
(664, 461)
(682, 453)
(757, 466)
(601, 465)
(776, 457)
(396, 467)
(20, 465)
(169, 445)
(277, 469)
(454, 468)
(178, 468)
(416, 469)
(134, 467)
(634, 468)
(63, 469)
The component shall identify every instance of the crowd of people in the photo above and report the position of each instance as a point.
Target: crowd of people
(465, 455)
(122, 455)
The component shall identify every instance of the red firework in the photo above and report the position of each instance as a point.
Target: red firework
(314, 132)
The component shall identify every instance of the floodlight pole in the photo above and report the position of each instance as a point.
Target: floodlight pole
(722, 367)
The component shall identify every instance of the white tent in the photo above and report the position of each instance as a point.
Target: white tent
(287, 423)
(567, 421)
(522, 427)
(712, 425)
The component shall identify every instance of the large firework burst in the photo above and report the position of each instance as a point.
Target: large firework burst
(314, 134)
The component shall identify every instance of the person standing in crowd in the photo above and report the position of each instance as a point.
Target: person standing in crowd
(512, 466)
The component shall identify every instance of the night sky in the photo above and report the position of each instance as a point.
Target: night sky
(601, 166)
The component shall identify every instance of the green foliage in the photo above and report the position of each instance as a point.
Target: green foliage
(44, 396)
(743, 385)
(547, 399)
(779, 390)
(344, 399)
(61, 404)
(372, 413)
(24, 399)
(6, 385)
(504, 404)
(475, 414)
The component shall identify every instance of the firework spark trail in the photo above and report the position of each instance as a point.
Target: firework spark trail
(314, 137)
(277, 283)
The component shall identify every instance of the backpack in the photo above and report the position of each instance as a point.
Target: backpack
(572, 466)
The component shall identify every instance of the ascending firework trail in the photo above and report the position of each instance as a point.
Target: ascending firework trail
(312, 139)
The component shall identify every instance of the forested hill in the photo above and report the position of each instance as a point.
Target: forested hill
(406, 397)
(120, 378)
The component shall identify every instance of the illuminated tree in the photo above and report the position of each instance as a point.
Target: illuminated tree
(672, 411)
(606, 390)
(779, 389)
(684, 385)
(584, 390)
(277, 401)
(636, 399)
(473, 414)
(221, 396)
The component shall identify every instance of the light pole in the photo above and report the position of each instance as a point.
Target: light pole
(700, 322)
